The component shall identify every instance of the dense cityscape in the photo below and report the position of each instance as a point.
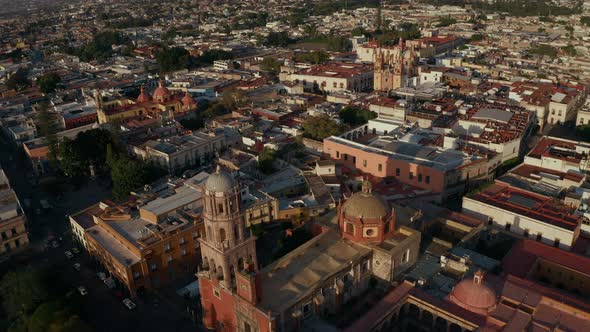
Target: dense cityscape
(305, 165)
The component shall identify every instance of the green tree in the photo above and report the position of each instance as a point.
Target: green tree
(88, 148)
(315, 57)
(544, 49)
(271, 65)
(569, 50)
(18, 81)
(476, 37)
(171, 59)
(48, 82)
(355, 116)
(279, 39)
(233, 99)
(127, 174)
(22, 291)
(446, 21)
(320, 127)
(266, 158)
(209, 56)
(585, 20)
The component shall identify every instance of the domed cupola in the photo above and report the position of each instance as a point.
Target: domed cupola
(474, 295)
(162, 94)
(365, 216)
(143, 96)
(220, 182)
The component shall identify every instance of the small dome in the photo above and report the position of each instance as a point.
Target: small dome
(143, 96)
(220, 182)
(161, 92)
(366, 205)
(474, 295)
(187, 100)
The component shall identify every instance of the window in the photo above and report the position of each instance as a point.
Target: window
(216, 293)
(364, 163)
(247, 327)
(345, 156)
(411, 176)
(354, 160)
(526, 233)
(222, 235)
(507, 227)
(406, 256)
(397, 172)
(380, 168)
(419, 177)
(365, 266)
(338, 154)
(556, 243)
(4, 236)
(539, 236)
(427, 178)
(334, 84)
(307, 309)
(13, 231)
(220, 207)
(349, 228)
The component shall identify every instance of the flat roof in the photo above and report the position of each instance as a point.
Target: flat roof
(183, 196)
(297, 274)
(529, 204)
(115, 248)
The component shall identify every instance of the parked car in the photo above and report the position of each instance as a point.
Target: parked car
(109, 282)
(129, 304)
(69, 254)
(82, 290)
(77, 266)
(101, 276)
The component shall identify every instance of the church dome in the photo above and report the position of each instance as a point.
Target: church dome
(187, 100)
(366, 205)
(220, 182)
(161, 92)
(474, 295)
(143, 96)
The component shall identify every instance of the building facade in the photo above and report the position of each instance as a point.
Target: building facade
(13, 231)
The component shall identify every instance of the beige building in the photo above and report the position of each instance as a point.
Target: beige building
(335, 77)
(13, 232)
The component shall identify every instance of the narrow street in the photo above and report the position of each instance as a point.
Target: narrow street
(102, 308)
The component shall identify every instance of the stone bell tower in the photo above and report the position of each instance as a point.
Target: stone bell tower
(228, 245)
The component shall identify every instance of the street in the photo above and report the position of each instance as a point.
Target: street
(102, 308)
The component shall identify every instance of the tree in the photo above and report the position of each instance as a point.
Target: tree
(233, 99)
(88, 148)
(22, 291)
(446, 21)
(355, 116)
(569, 50)
(48, 82)
(266, 159)
(127, 174)
(100, 48)
(585, 20)
(476, 37)
(171, 59)
(315, 57)
(48, 128)
(18, 81)
(320, 127)
(544, 49)
(279, 39)
(271, 65)
(209, 56)
(358, 31)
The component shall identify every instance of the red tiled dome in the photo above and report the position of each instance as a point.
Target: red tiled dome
(187, 100)
(474, 295)
(161, 93)
(143, 96)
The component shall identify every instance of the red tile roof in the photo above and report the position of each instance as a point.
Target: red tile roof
(523, 255)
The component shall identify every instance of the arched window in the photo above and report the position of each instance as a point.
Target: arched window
(209, 233)
(221, 235)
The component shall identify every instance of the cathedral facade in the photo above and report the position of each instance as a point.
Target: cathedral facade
(317, 279)
(394, 67)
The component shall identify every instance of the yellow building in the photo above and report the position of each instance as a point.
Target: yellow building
(162, 104)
